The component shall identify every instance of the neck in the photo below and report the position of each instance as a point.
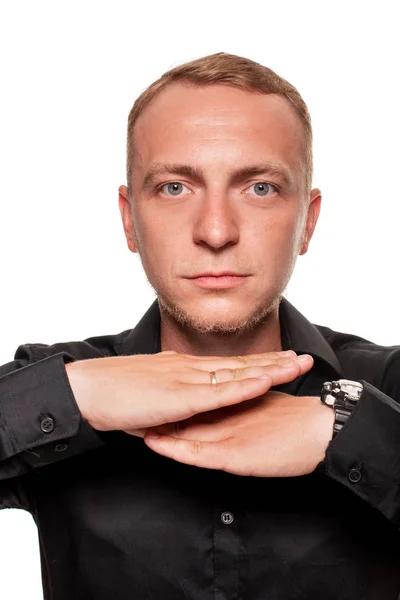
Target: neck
(266, 337)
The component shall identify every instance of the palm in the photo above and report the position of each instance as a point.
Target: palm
(274, 435)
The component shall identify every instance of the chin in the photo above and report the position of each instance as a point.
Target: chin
(208, 317)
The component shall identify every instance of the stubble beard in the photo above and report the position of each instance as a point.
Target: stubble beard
(203, 325)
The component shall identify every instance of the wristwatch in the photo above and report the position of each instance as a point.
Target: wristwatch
(342, 396)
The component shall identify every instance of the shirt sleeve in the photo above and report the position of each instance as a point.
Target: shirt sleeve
(365, 454)
(40, 421)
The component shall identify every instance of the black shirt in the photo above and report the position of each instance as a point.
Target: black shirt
(117, 520)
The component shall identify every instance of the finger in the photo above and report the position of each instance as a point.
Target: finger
(187, 430)
(288, 370)
(202, 397)
(135, 432)
(233, 392)
(275, 354)
(225, 374)
(234, 362)
(281, 371)
(208, 455)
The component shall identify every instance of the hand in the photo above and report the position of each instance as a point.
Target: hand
(276, 435)
(141, 391)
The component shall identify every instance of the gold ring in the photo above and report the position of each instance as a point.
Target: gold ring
(213, 378)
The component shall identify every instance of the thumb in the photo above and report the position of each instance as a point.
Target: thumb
(208, 455)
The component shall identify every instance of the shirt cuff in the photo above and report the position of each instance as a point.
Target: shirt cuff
(365, 455)
(40, 420)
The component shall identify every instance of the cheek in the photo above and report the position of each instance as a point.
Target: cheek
(150, 232)
(281, 234)
(161, 226)
(159, 241)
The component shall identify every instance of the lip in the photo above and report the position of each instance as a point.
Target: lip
(221, 274)
(220, 281)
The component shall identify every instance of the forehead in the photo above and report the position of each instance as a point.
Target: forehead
(227, 123)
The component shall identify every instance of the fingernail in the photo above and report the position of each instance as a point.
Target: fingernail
(285, 353)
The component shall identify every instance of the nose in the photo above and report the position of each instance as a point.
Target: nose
(217, 223)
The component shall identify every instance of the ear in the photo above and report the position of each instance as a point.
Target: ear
(126, 215)
(313, 211)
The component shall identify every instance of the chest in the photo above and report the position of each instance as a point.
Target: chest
(124, 518)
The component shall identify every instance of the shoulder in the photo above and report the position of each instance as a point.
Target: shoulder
(91, 347)
(361, 358)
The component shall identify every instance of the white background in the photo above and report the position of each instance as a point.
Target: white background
(70, 72)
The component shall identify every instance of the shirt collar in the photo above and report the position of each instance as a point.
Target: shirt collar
(297, 333)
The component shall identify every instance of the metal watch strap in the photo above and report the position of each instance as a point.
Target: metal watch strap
(341, 416)
(342, 395)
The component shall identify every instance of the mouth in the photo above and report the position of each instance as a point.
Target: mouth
(223, 280)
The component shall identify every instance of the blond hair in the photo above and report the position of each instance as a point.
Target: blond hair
(235, 71)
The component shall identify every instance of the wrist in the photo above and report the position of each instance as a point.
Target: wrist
(342, 396)
(76, 378)
(323, 428)
(317, 432)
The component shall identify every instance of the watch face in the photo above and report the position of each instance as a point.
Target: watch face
(354, 388)
(341, 392)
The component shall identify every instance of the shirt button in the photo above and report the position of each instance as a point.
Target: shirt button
(47, 425)
(227, 518)
(61, 447)
(354, 475)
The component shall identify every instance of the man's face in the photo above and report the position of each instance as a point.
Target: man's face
(210, 219)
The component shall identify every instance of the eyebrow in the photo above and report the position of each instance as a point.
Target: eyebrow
(274, 168)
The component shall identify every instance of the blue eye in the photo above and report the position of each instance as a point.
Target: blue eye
(263, 187)
(174, 188)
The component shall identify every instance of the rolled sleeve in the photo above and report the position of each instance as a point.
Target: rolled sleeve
(365, 454)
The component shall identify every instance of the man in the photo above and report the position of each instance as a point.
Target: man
(258, 485)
